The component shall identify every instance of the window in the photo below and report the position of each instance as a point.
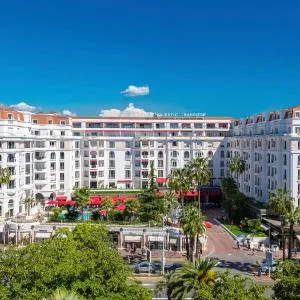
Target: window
(52, 143)
(61, 176)
(62, 145)
(174, 125)
(112, 164)
(112, 145)
(27, 157)
(160, 173)
(52, 166)
(186, 155)
(111, 154)
(34, 121)
(111, 174)
(52, 155)
(76, 125)
(50, 122)
(61, 187)
(160, 163)
(62, 166)
(127, 174)
(62, 155)
(174, 144)
(62, 133)
(63, 123)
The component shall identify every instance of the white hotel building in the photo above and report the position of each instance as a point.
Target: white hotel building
(50, 154)
(270, 145)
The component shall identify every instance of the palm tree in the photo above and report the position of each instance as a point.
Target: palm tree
(170, 202)
(279, 202)
(63, 294)
(82, 196)
(293, 218)
(189, 278)
(201, 174)
(193, 226)
(5, 175)
(28, 202)
(180, 181)
(237, 166)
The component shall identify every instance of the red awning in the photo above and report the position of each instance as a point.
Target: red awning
(61, 198)
(161, 180)
(70, 202)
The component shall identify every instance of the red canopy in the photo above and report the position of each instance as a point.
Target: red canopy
(52, 202)
(161, 180)
(61, 198)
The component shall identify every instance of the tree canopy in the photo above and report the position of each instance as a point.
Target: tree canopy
(82, 261)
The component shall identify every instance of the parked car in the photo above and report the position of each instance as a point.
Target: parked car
(264, 266)
(143, 267)
(172, 267)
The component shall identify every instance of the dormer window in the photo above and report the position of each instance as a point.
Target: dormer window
(62, 122)
(34, 121)
(50, 122)
(10, 116)
(297, 114)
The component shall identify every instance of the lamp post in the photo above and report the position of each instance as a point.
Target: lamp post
(163, 249)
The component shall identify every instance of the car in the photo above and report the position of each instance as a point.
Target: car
(143, 267)
(172, 267)
(264, 266)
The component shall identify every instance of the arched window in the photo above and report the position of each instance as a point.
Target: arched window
(111, 154)
(174, 154)
(210, 154)
(160, 154)
(11, 203)
(127, 155)
(187, 154)
(52, 155)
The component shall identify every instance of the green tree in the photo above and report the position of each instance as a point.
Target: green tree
(187, 279)
(237, 166)
(81, 261)
(28, 202)
(287, 286)
(180, 181)
(152, 207)
(279, 202)
(5, 175)
(82, 196)
(152, 182)
(230, 287)
(193, 227)
(293, 218)
(201, 174)
(132, 208)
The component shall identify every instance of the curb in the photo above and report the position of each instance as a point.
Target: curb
(225, 228)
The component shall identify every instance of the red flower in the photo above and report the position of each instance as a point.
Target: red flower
(102, 212)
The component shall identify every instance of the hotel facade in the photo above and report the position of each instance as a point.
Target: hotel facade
(49, 154)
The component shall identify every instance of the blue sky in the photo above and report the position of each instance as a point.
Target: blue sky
(220, 57)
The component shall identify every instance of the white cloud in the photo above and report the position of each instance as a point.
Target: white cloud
(67, 112)
(129, 111)
(133, 91)
(22, 106)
